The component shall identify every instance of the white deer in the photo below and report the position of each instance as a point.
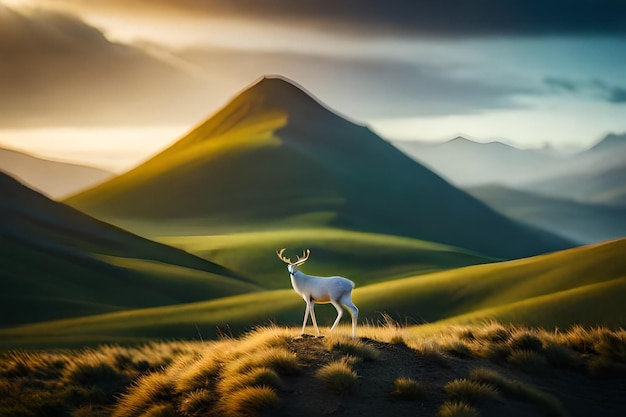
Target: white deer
(321, 290)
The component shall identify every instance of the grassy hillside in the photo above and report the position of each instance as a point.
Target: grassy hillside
(487, 370)
(581, 222)
(276, 156)
(364, 257)
(582, 285)
(57, 262)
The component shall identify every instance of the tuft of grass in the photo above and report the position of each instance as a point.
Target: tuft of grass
(612, 346)
(458, 349)
(526, 340)
(457, 409)
(495, 332)
(160, 410)
(529, 361)
(407, 389)
(353, 347)
(248, 401)
(18, 363)
(338, 376)
(254, 378)
(200, 374)
(542, 401)
(278, 359)
(197, 403)
(149, 390)
(602, 366)
(471, 391)
(561, 356)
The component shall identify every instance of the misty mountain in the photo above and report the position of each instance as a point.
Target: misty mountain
(582, 222)
(52, 178)
(277, 157)
(466, 163)
(606, 187)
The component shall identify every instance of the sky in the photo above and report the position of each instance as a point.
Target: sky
(109, 83)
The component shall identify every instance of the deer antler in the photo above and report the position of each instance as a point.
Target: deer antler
(305, 256)
(282, 258)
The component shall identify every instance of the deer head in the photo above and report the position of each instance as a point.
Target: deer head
(293, 266)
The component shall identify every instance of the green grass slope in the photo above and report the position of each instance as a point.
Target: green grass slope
(581, 222)
(57, 262)
(274, 156)
(363, 257)
(582, 285)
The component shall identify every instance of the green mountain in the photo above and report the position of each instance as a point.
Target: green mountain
(57, 262)
(276, 157)
(581, 222)
(584, 285)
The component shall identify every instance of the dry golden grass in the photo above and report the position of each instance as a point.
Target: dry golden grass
(529, 361)
(542, 401)
(198, 402)
(257, 377)
(338, 376)
(457, 409)
(150, 390)
(353, 347)
(407, 389)
(248, 401)
(237, 376)
(471, 391)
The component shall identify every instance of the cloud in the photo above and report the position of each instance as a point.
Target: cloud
(57, 70)
(562, 84)
(430, 18)
(596, 88)
(365, 88)
(617, 95)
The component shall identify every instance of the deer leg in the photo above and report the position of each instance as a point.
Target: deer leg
(312, 308)
(339, 314)
(306, 316)
(354, 312)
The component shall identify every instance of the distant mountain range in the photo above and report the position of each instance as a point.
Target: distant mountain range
(466, 163)
(52, 178)
(595, 175)
(57, 262)
(276, 157)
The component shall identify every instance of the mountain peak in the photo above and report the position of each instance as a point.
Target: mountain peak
(610, 140)
(277, 91)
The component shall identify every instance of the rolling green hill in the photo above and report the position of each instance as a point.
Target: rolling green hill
(274, 157)
(57, 262)
(585, 285)
(581, 222)
(364, 257)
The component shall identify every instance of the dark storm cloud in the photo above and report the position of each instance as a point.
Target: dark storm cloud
(57, 70)
(430, 18)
